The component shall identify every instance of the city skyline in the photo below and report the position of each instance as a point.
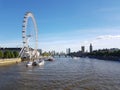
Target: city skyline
(63, 23)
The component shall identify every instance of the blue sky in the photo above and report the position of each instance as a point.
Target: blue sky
(63, 23)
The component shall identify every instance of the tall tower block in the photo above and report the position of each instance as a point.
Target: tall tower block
(83, 49)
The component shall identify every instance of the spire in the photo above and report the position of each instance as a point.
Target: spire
(91, 48)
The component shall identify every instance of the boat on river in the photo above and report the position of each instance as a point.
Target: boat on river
(41, 62)
(50, 59)
(76, 58)
(35, 63)
(30, 63)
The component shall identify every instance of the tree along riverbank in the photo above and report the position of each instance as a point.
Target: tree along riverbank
(8, 54)
(112, 58)
(5, 62)
(104, 54)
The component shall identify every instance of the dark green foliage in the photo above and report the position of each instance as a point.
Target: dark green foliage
(105, 53)
(10, 54)
(15, 54)
(7, 54)
(1, 54)
(46, 54)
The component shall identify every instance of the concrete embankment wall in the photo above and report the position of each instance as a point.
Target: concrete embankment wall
(4, 62)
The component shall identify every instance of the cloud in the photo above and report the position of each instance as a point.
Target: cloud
(108, 37)
(106, 41)
(74, 39)
(60, 45)
(12, 43)
(98, 42)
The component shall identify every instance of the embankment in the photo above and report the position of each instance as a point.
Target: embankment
(112, 58)
(4, 62)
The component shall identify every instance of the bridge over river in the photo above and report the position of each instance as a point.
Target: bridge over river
(62, 74)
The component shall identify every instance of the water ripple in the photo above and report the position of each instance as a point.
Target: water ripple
(63, 74)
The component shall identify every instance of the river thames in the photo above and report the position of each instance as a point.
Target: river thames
(62, 74)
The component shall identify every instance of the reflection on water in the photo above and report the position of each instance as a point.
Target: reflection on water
(62, 74)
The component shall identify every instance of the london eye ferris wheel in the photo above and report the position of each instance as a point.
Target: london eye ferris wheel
(30, 37)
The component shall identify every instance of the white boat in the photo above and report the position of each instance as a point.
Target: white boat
(35, 63)
(41, 62)
(50, 58)
(30, 63)
(76, 58)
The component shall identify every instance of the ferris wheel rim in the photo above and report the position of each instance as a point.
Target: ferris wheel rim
(24, 29)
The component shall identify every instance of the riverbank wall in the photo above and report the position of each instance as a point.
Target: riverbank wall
(5, 62)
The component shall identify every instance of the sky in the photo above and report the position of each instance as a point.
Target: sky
(63, 23)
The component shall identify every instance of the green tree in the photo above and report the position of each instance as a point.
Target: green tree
(46, 54)
(16, 54)
(7, 54)
(11, 55)
(1, 54)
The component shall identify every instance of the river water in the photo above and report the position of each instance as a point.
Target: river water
(62, 74)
